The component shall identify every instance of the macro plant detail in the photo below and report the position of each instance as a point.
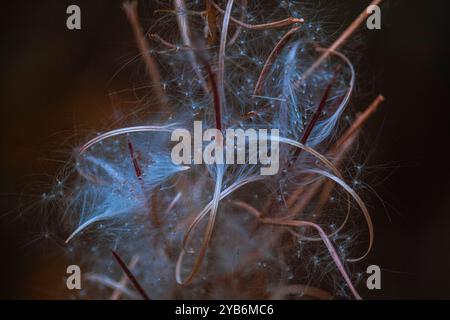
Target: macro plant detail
(146, 227)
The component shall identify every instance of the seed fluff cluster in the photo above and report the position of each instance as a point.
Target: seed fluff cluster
(144, 227)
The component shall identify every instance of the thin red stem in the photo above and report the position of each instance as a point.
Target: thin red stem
(315, 118)
(216, 95)
(130, 276)
(136, 165)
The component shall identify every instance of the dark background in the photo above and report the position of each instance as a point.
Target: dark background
(55, 82)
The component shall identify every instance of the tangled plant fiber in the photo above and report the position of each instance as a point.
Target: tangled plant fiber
(224, 231)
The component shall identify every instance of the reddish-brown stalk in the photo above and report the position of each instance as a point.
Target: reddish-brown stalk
(341, 40)
(265, 26)
(134, 158)
(270, 204)
(359, 122)
(124, 279)
(211, 21)
(131, 12)
(166, 43)
(138, 171)
(244, 205)
(326, 241)
(222, 48)
(299, 223)
(185, 31)
(271, 58)
(307, 194)
(338, 151)
(342, 146)
(312, 123)
(216, 95)
(218, 119)
(238, 30)
(130, 276)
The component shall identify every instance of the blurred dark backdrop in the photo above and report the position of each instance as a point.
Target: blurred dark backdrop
(55, 82)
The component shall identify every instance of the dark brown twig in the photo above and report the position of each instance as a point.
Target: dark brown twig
(265, 26)
(130, 276)
(341, 40)
(130, 9)
(136, 165)
(271, 58)
(312, 123)
(238, 30)
(215, 93)
(124, 279)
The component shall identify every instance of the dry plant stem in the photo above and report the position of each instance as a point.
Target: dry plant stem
(130, 9)
(300, 289)
(312, 123)
(269, 207)
(183, 25)
(130, 276)
(171, 46)
(207, 238)
(241, 204)
(217, 192)
(257, 214)
(360, 203)
(297, 223)
(359, 122)
(271, 58)
(310, 192)
(336, 177)
(326, 241)
(216, 95)
(238, 30)
(133, 154)
(209, 208)
(326, 191)
(342, 146)
(212, 207)
(124, 279)
(338, 151)
(341, 40)
(271, 25)
(138, 171)
(121, 131)
(293, 197)
(134, 158)
(211, 20)
(222, 47)
(115, 285)
(173, 203)
(166, 43)
(290, 201)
